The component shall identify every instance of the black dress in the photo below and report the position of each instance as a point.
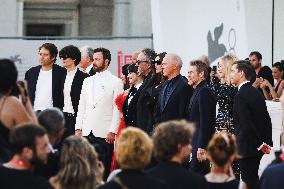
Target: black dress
(5, 149)
(224, 95)
(233, 184)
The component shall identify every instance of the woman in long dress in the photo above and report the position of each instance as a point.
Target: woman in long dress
(225, 92)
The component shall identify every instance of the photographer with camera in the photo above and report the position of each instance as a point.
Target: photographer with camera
(13, 111)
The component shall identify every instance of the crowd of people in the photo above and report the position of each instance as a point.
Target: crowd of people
(79, 126)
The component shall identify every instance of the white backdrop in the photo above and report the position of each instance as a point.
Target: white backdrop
(182, 26)
(25, 52)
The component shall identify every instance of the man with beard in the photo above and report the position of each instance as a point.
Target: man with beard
(31, 146)
(261, 72)
(98, 116)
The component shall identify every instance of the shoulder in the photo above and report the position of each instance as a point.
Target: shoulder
(33, 69)
(277, 169)
(81, 74)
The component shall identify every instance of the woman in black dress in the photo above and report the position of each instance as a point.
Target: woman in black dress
(225, 92)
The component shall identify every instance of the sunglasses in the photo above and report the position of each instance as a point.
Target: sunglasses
(140, 61)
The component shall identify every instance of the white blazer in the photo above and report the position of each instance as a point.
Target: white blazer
(97, 111)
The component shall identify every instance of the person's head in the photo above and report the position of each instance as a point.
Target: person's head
(171, 65)
(197, 72)
(102, 58)
(133, 76)
(222, 149)
(8, 76)
(86, 56)
(241, 71)
(277, 70)
(158, 62)
(204, 59)
(70, 56)
(79, 164)
(47, 54)
(134, 57)
(52, 119)
(145, 61)
(133, 149)
(30, 141)
(172, 141)
(124, 74)
(255, 59)
(224, 67)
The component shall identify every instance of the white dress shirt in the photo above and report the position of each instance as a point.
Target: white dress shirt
(242, 83)
(68, 107)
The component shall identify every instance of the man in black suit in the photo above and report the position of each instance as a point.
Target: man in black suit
(70, 57)
(252, 123)
(202, 111)
(45, 82)
(172, 148)
(145, 61)
(176, 93)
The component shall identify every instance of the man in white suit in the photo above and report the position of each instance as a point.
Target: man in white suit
(98, 116)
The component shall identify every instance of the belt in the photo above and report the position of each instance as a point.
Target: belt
(69, 114)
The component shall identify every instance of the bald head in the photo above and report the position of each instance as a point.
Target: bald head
(174, 59)
(171, 65)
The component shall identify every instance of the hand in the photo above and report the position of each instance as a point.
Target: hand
(265, 148)
(201, 154)
(78, 132)
(256, 83)
(110, 138)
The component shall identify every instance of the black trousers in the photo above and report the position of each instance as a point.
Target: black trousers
(104, 150)
(249, 171)
(70, 121)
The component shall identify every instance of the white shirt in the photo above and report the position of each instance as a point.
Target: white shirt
(137, 88)
(68, 107)
(88, 69)
(242, 83)
(43, 93)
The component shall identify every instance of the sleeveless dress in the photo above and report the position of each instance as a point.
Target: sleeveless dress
(5, 149)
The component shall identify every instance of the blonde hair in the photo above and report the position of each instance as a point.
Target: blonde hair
(228, 60)
(78, 164)
(133, 149)
(222, 147)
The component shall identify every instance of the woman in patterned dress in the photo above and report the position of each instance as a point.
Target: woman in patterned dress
(225, 92)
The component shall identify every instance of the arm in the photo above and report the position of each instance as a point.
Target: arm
(263, 87)
(207, 109)
(81, 110)
(118, 88)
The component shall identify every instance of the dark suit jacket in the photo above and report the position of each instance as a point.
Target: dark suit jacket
(176, 176)
(133, 179)
(177, 105)
(92, 72)
(130, 110)
(143, 105)
(272, 177)
(202, 111)
(76, 88)
(58, 77)
(252, 121)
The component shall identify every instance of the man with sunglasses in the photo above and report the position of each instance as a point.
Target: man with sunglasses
(45, 81)
(146, 68)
